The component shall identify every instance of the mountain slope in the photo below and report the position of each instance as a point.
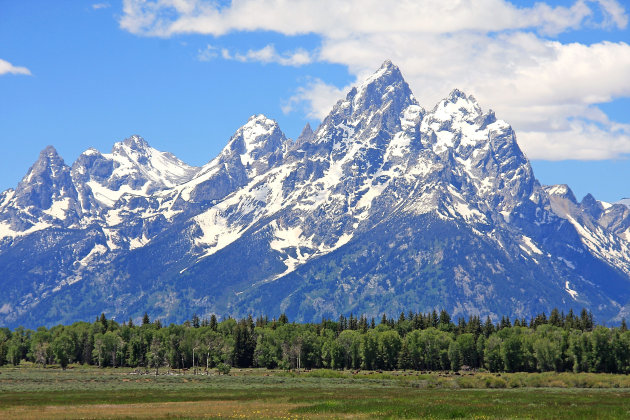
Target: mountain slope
(385, 207)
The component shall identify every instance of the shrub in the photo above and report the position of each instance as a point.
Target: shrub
(223, 369)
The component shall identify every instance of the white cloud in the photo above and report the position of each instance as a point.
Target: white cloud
(335, 18)
(8, 68)
(208, 53)
(580, 140)
(615, 14)
(319, 96)
(501, 53)
(268, 54)
(97, 6)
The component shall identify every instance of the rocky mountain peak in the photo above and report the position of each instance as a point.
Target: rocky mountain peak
(378, 90)
(592, 206)
(259, 143)
(46, 181)
(49, 166)
(49, 152)
(306, 135)
(136, 142)
(561, 190)
(133, 147)
(371, 112)
(457, 107)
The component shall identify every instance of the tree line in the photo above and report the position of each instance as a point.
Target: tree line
(418, 341)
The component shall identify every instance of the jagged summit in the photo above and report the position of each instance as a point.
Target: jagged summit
(306, 135)
(259, 143)
(457, 94)
(136, 142)
(49, 165)
(561, 190)
(385, 85)
(458, 106)
(49, 152)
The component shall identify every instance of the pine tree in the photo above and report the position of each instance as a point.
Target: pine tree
(352, 323)
(195, 321)
(488, 327)
(145, 319)
(461, 325)
(213, 322)
(363, 324)
(570, 320)
(445, 318)
(103, 321)
(554, 318)
(586, 320)
(342, 324)
(401, 318)
(250, 323)
(434, 319)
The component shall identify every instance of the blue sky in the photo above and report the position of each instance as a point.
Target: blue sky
(185, 74)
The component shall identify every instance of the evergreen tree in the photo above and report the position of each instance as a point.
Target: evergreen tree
(554, 318)
(586, 320)
(488, 327)
(103, 321)
(363, 324)
(435, 320)
(352, 322)
(445, 318)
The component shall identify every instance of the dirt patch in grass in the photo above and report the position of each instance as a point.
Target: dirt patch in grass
(197, 409)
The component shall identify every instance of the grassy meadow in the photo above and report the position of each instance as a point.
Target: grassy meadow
(28, 392)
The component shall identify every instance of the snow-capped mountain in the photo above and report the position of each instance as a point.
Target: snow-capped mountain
(386, 206)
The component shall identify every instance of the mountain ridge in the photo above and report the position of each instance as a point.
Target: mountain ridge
(272, 224)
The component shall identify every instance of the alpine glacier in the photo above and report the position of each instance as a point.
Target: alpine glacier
(386, 206)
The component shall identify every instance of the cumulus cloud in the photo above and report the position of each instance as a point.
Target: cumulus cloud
(8, 68)
(319, 95)
(503, 54)
(588, 141)
(335, 19)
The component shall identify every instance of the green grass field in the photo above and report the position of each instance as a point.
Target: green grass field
(28, 392)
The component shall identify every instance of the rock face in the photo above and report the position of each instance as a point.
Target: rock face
(385, 207)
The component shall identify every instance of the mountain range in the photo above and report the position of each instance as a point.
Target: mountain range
(385, 207)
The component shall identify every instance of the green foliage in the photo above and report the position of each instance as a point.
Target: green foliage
(429, 342)
(63, 348)
(224, 368)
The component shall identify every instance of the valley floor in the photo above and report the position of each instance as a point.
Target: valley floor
(28, 392)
